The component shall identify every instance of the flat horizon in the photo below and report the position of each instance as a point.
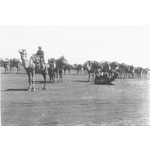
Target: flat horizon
(124, 44)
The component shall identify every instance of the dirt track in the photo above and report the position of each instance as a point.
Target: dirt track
(74, 102)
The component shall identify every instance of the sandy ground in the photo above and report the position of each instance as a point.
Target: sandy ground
(75, 102)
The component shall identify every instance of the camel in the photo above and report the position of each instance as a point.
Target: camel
(15, 63)
(122, 70)
(106, 67)
(51, 69)
(60, 63)
(78, 67)
(32, 67)
(90, 70)
(126, 71)
(5, 64)
(67, 67)
(104, 78)
(114, 67)
(139, 71)
(85, 68)
(55, 68)
(92, 66)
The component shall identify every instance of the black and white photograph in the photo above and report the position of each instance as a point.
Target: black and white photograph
(75, 75)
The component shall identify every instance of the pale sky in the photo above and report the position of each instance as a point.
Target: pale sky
(79, 43)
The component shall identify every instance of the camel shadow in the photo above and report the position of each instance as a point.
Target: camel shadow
(41, 82)
(13, 73)
(16, 90)
(80, 81)
(4, 73)
(105, 84)
(93, 83)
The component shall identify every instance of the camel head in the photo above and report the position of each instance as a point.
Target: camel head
(23, 53)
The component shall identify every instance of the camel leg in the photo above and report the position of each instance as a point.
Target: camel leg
(53, 78)
(29, 80)
(61, 78)
(50, 78)
(89, 76)
(58, 78)
(17, 70)
(5, 70)
(33, 80)
(93, 76)
(44, 76)
(50, 73)
(10, 69)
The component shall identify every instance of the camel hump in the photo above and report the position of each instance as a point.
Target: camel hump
(39, 62)
(35, 58)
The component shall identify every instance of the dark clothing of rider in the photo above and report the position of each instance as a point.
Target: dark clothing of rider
(40, 53)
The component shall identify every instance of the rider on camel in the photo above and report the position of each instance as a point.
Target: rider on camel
(40, 53)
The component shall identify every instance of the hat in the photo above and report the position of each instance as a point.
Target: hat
(39, 47)
(23, 50)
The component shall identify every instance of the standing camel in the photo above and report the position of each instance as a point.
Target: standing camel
(92, 66)
(32, 67)
(60, 63)
(51, 69)
(15, 63)
(5, 64)
(67, 67)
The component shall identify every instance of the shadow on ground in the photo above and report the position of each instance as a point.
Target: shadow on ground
(42, 82)
(16, 90)
(12, 73)
(105, 84)
(93, 83)
(80, 81)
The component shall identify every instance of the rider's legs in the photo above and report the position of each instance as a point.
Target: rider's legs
(42, 61)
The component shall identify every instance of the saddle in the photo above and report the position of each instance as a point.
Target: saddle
(38, 61)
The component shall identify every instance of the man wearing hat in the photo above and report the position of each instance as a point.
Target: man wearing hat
(40, 53)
